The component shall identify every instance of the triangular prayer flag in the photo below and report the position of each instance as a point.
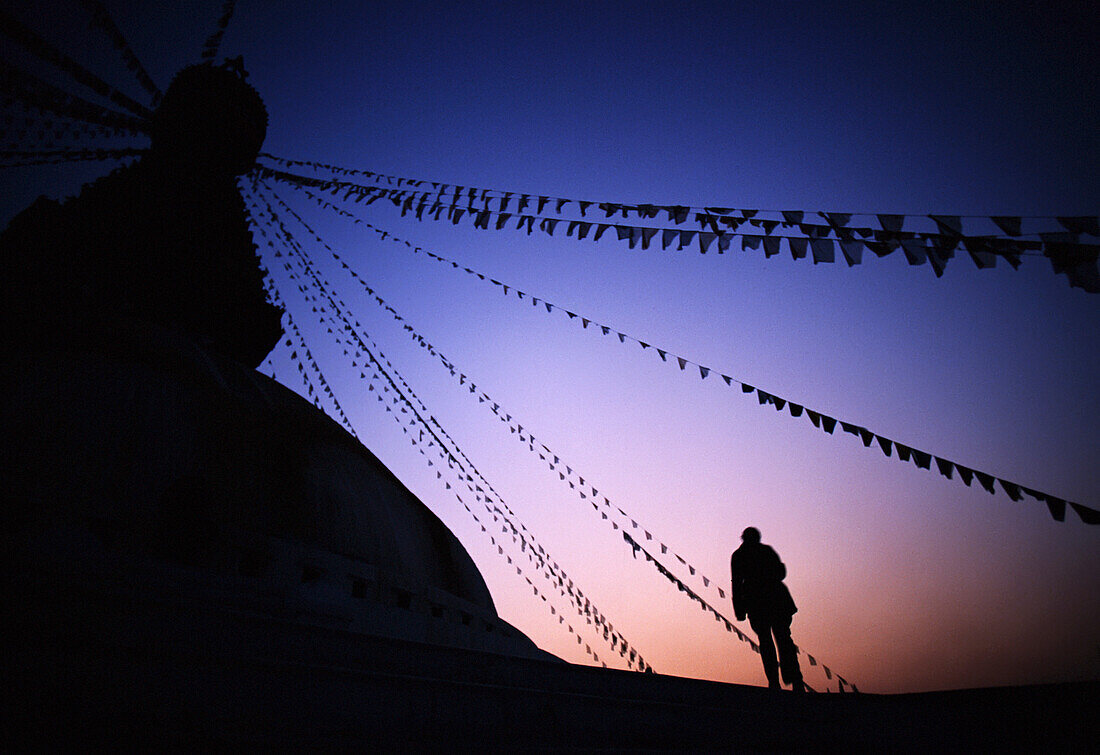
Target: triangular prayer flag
(837, 218)
(986, 480)
(1085, 224)
(853, 251)
(965, 474)
(979, 252)
(1012, 489)
(1010, 224)
(938, 258)
(823, 250)
(946, 467)
(915, 251)
(891, 223)
(1088, 516)
(922, 459)
(950, 225)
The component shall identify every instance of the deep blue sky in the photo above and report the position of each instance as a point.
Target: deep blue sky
(905, 581)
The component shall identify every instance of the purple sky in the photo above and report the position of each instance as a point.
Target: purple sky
(905, 581)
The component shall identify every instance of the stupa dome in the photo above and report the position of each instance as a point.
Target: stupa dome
(178, 451)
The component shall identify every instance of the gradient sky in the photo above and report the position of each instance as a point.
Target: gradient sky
(905, 581)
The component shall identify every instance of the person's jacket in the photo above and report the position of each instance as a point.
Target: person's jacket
(757, 585)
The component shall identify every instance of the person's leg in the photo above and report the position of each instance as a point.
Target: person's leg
(788, 653)
(763, 631)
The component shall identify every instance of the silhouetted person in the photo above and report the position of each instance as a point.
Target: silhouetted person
(758, 591)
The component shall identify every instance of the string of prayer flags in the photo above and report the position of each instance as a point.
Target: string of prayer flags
(213, 42)
(542, 567)
(936, 245)
(102, 19)
(307, 356)
(46, 97)
(29, 128)
(19, 158)
(43, 50)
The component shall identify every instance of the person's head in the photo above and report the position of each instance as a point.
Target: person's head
(751, 535)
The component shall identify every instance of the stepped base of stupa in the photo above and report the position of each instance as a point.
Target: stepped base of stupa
(122, 653)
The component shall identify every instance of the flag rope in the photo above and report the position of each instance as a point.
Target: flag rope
(1078, 261)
